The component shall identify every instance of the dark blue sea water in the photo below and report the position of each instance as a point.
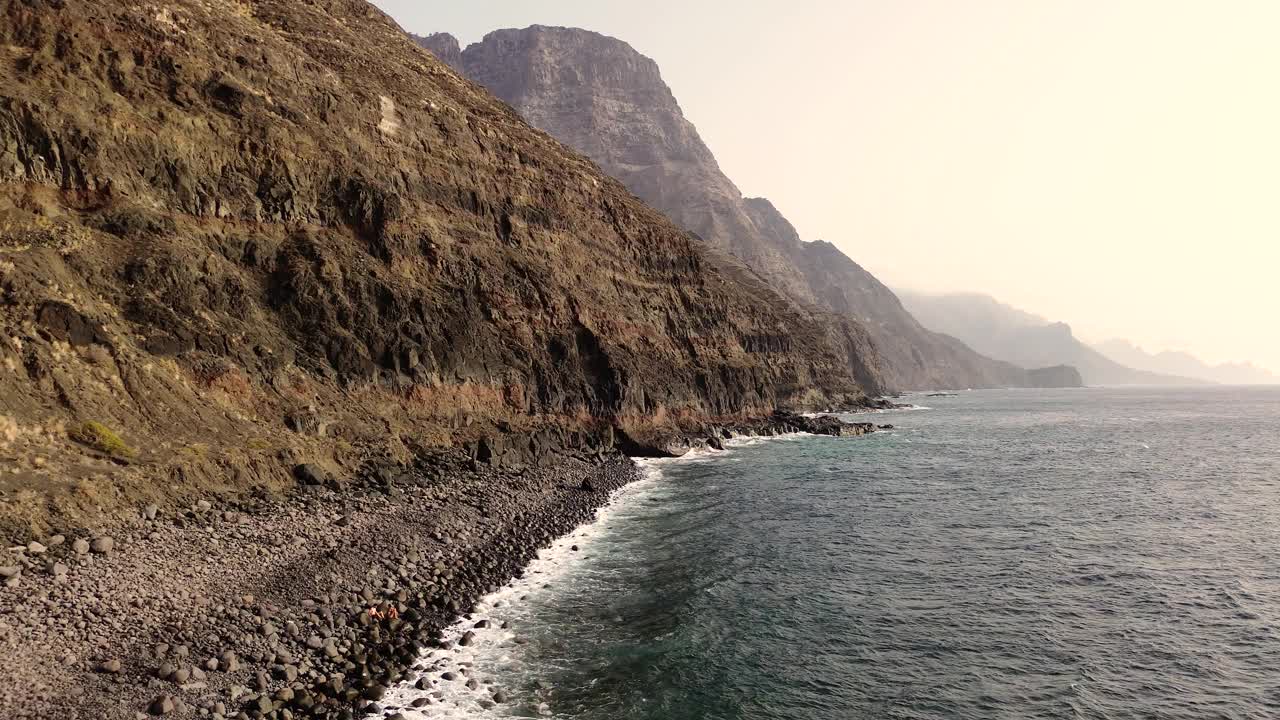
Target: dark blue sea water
(1097, 553)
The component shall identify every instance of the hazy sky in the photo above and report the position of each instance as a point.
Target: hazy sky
(1114, 164)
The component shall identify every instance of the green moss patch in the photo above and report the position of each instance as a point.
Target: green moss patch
(102, 438)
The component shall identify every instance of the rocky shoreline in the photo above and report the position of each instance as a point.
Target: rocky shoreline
(312, 606)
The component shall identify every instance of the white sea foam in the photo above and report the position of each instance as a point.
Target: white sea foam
(493, 657)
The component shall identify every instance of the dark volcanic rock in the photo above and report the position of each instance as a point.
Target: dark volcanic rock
(783, 421)
(162, 705)
(310, 474)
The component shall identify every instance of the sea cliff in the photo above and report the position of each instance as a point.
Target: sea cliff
(600, 96)
(308, 341)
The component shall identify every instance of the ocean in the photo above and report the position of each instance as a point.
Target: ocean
(1092, 553)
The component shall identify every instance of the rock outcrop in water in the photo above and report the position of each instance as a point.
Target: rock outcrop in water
(239, 235)
(1058, 376)
(600, 96)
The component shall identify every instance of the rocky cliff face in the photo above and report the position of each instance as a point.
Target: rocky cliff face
(917, 357)
(443, 45)
(600, 96)
(235, 235)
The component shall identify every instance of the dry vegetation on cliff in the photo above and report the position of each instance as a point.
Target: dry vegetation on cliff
(240, 235)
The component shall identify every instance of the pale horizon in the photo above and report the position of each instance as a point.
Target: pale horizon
(1113, 166)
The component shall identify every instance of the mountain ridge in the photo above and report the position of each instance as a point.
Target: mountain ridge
(1006, 332)
(1183, 363)
(600, 96)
